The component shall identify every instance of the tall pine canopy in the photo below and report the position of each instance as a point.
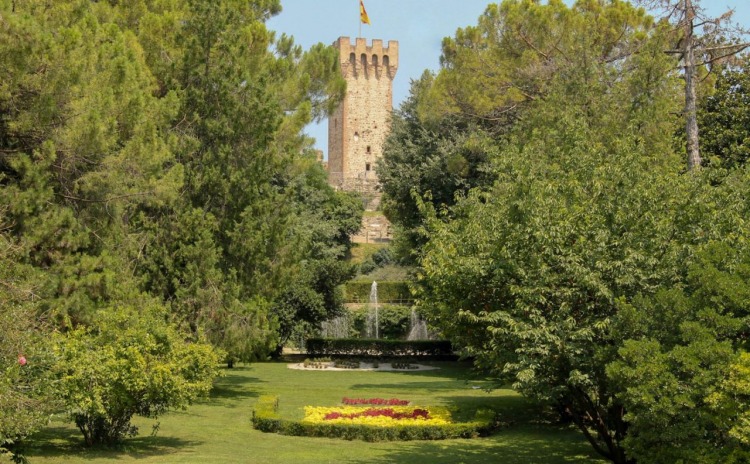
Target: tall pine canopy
(152, 158)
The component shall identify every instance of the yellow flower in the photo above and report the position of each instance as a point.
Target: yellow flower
(436, 416)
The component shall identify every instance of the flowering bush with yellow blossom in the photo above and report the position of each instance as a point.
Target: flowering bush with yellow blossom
(379, 417)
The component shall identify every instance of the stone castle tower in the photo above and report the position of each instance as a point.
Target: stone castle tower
(357, 129)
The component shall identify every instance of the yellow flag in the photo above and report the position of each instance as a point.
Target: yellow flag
(363, 13)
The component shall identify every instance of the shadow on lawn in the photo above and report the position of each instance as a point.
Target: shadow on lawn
(66, 443)
(510, 409)
(449, 371)
(234, 385)
(518, 445)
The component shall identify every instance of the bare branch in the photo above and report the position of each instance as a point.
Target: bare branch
(739, 47)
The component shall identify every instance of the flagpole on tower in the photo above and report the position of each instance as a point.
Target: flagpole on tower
(363, 18)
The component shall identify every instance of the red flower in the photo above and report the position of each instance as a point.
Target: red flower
(374, 412)
(21, 360)
(374, 401)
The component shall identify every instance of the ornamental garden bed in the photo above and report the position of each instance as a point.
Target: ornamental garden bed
(326, 364)
(372, 419)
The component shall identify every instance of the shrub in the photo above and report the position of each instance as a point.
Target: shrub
(130, 362)
(383, 257)
(367, 266)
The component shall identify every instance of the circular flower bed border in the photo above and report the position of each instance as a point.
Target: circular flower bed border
(371, 424)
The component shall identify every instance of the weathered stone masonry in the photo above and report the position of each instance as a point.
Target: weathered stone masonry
(358, 128)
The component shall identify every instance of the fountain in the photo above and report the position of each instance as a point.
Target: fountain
(417, 327)
(372, 313)
(338, 327)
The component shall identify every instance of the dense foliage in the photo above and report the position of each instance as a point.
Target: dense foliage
(724, 116)
(427, 159)
(152, 161)
(593, 273)
(26, 380)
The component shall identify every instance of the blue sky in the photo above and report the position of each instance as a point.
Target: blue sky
(418, 25)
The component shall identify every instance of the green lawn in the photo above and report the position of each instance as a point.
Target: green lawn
(390, 272)
(362, 251)
(219, 431)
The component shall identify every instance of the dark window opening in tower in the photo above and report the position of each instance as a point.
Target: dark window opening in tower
(367, 165)
(368, 149)
(374, 60)
(363, 59)
(385, 60)
(352, 58)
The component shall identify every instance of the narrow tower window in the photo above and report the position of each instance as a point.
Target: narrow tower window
(367, 165)
(385, 60)
(356, 136)
(352, 58)
(363, 59)
(368, 151)
(374, 60)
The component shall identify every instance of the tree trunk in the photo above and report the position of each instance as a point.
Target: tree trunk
(693, 152)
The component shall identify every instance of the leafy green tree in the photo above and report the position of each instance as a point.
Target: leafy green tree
(588, 207)
(594, 274)
(428, 160)
(724, 116)
(246, 99)
(154, 147)
(82, 150)
(325, 220)
(502, 71)
(492, 71)
(129, 362)
(526, 277)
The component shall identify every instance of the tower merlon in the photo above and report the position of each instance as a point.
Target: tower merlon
(375, 53)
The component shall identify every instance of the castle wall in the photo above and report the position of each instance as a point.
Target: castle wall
(358, 128)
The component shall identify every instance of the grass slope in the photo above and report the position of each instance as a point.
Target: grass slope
(218, 430)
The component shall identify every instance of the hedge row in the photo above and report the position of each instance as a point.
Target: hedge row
(388, 292)
(387, 348)
(266, 419)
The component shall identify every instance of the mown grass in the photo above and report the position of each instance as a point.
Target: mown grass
(218, 430)
(390, 272)
(362, 251)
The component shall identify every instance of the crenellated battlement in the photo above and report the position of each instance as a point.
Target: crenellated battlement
(358, 58)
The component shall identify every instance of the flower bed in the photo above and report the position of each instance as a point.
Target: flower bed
(374, 401)
(344, 364)
(403, 366)
(436, 426)
(381, 417)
